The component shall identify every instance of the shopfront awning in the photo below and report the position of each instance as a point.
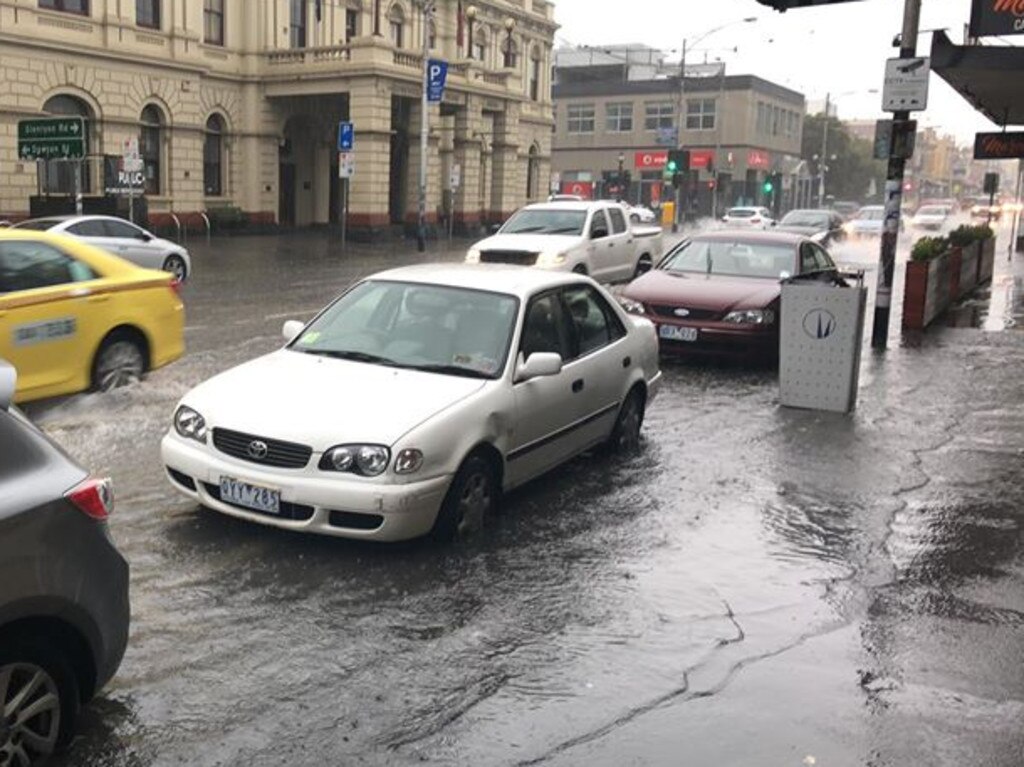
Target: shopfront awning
(989, 77)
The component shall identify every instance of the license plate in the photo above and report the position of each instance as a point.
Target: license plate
(677, 333)
(250, 496)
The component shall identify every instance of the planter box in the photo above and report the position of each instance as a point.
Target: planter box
(986, 259)
(955, 256)
(968, 269)
(927, 291)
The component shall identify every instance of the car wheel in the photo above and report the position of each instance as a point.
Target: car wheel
(472, 497)
(625, 436)
(175, 264)
(643, 265)
(40, 694)
(579, 269)
(120, 361)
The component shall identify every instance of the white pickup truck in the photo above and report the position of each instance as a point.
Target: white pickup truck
(595, 238)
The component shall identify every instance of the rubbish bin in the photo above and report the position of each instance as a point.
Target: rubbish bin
(668, 213)
(821, 331)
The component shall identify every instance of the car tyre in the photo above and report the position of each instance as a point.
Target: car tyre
(625, 437)
(579, 269)
(175, 264)
(121, 360)
(43, 722)
(471, 498)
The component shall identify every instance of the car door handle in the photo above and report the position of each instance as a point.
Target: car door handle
(611, 244)
(627, 361)
(98, 299)
(577, 386)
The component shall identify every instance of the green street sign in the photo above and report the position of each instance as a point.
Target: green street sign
(51, 138)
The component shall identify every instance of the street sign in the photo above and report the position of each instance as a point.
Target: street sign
(130, 147)
(883, 139)
(346, 164)
(51, 138)
(667, 137)
(555, 182)
(455, 177)
(346, 136)
(437, 74)
(132, 164)
(906, 85)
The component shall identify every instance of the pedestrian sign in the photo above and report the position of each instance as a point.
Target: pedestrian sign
(346, 136)
(49, 138)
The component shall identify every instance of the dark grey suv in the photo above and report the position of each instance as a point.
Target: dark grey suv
(63, 588)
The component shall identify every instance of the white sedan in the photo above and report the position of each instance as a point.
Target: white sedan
(748, 218)
(122, 238)
(410, 403)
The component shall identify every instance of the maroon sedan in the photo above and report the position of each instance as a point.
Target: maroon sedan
(718, 293)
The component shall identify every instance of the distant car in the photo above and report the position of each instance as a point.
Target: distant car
(566, 198)
(120, 237)
(445, 386)
(64, 610)
(640, 214)
(981, 208)
(845, 208)
(867, 223)
(74, 317)
(931, 217)
(718, 293)
(824, 226)
(748, 218)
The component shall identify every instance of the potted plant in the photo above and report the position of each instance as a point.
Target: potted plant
(927, 284)
(965, 238)
(986, 239)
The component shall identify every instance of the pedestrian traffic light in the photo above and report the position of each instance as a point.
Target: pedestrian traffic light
(768, 187)
(678, 160)
(671, 167)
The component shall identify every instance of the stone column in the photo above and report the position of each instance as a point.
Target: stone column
(370, 110)
(466, 146)
(508, 188)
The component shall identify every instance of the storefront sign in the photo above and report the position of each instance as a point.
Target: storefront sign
(654, 160)
(584, 189)
(757, 158)
(999, 146)
(997, 17)
(700, 158)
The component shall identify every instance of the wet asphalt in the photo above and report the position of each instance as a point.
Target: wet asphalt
(757, 586)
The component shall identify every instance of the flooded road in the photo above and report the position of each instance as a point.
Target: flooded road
(756, 586)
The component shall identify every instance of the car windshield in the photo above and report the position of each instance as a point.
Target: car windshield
(735, 258)
(546, 221)
(805, 218)
(741, 213)
(38, 224)
(871, 214)
(454, 331)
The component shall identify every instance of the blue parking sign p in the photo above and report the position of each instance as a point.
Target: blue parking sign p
(346, 136)
(437, 74)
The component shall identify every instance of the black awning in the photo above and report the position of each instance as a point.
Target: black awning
(989, 77)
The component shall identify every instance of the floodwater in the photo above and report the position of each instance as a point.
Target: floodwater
(756, 586)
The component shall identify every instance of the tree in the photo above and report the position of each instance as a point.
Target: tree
(850, 165)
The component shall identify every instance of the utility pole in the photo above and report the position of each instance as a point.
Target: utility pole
(421, 229)
(719, 112)
(824, 153)
(680, 127)
(894, 188)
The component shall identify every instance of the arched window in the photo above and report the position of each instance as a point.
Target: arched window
(532, 173)
(396, 25)
(151, 147)
(60, 175)
(535, 72)
(511, 52)
(213, 157)
(480, 45)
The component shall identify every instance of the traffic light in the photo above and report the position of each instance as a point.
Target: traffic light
(678, 160)
(769, 186)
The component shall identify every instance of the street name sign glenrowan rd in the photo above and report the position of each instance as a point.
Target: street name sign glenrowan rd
(996, 17)
(51, 138)
(999, 146)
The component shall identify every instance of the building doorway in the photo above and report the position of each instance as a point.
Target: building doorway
(286, 184)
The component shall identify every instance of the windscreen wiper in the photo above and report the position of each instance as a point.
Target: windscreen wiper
(453, 370)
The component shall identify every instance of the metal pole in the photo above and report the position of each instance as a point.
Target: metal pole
(718, 141)
(421, 230)
(680, 126)
(1016, 214)
(824, 154)
(344, 212)
(894, 189)
(78, 187)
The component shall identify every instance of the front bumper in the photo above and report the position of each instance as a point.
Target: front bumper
(720, 339)
(326, 504)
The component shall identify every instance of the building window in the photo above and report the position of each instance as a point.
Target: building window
(297, 25)
(213, 22)
(580, 118)
(535, 76)
(150, 147)
(67, 6)
(659, 115)
(396, 25)
(533, 173)
(700, 114)
(480, 44)
(213, 157)
(351, 24)
(60, 176)
(618, 118)
(775, 121)
(147, 13)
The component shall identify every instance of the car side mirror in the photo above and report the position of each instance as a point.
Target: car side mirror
(291, 329)
(495, 228)
(539, 365)
(599, 233)
(8, 383)
(144, 236)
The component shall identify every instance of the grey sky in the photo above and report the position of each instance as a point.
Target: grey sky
(840, 48)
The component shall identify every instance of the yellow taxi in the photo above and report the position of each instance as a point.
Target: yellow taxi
(74, 317)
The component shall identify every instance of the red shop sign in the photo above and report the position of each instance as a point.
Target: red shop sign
(654, 160)
(584, 189)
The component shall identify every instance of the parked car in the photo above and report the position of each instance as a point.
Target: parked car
(74, 317)
(932, 217)
(414, 400)
(718, 293)
(867, 223)
(120, 237)
(640, 214)
(64, 608)
(845, 208)
(565, 198)
(748, 218)
(825, 226)
(595, 238)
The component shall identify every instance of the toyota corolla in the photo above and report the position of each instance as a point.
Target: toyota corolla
(410, 403)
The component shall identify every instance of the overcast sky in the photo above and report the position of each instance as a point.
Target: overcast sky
(840, 48)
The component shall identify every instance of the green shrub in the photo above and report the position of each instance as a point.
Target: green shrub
(963, 235)
(928, 248)
(983, 232)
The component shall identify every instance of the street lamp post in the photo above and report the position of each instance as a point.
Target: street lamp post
(421, 229)
(622, 162)
(510, 24)
(471, 12)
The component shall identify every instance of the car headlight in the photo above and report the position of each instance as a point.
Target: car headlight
(550, 258)
(408, 461)
(751, 317)
(365, 460)
(631, 306)
(473, 256)
(189, 424)
(848, 228)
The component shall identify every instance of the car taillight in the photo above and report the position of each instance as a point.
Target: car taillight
(93, 497)
(755, 221)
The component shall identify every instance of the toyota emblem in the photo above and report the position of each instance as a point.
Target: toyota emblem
(257, 449)
(681, 312)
